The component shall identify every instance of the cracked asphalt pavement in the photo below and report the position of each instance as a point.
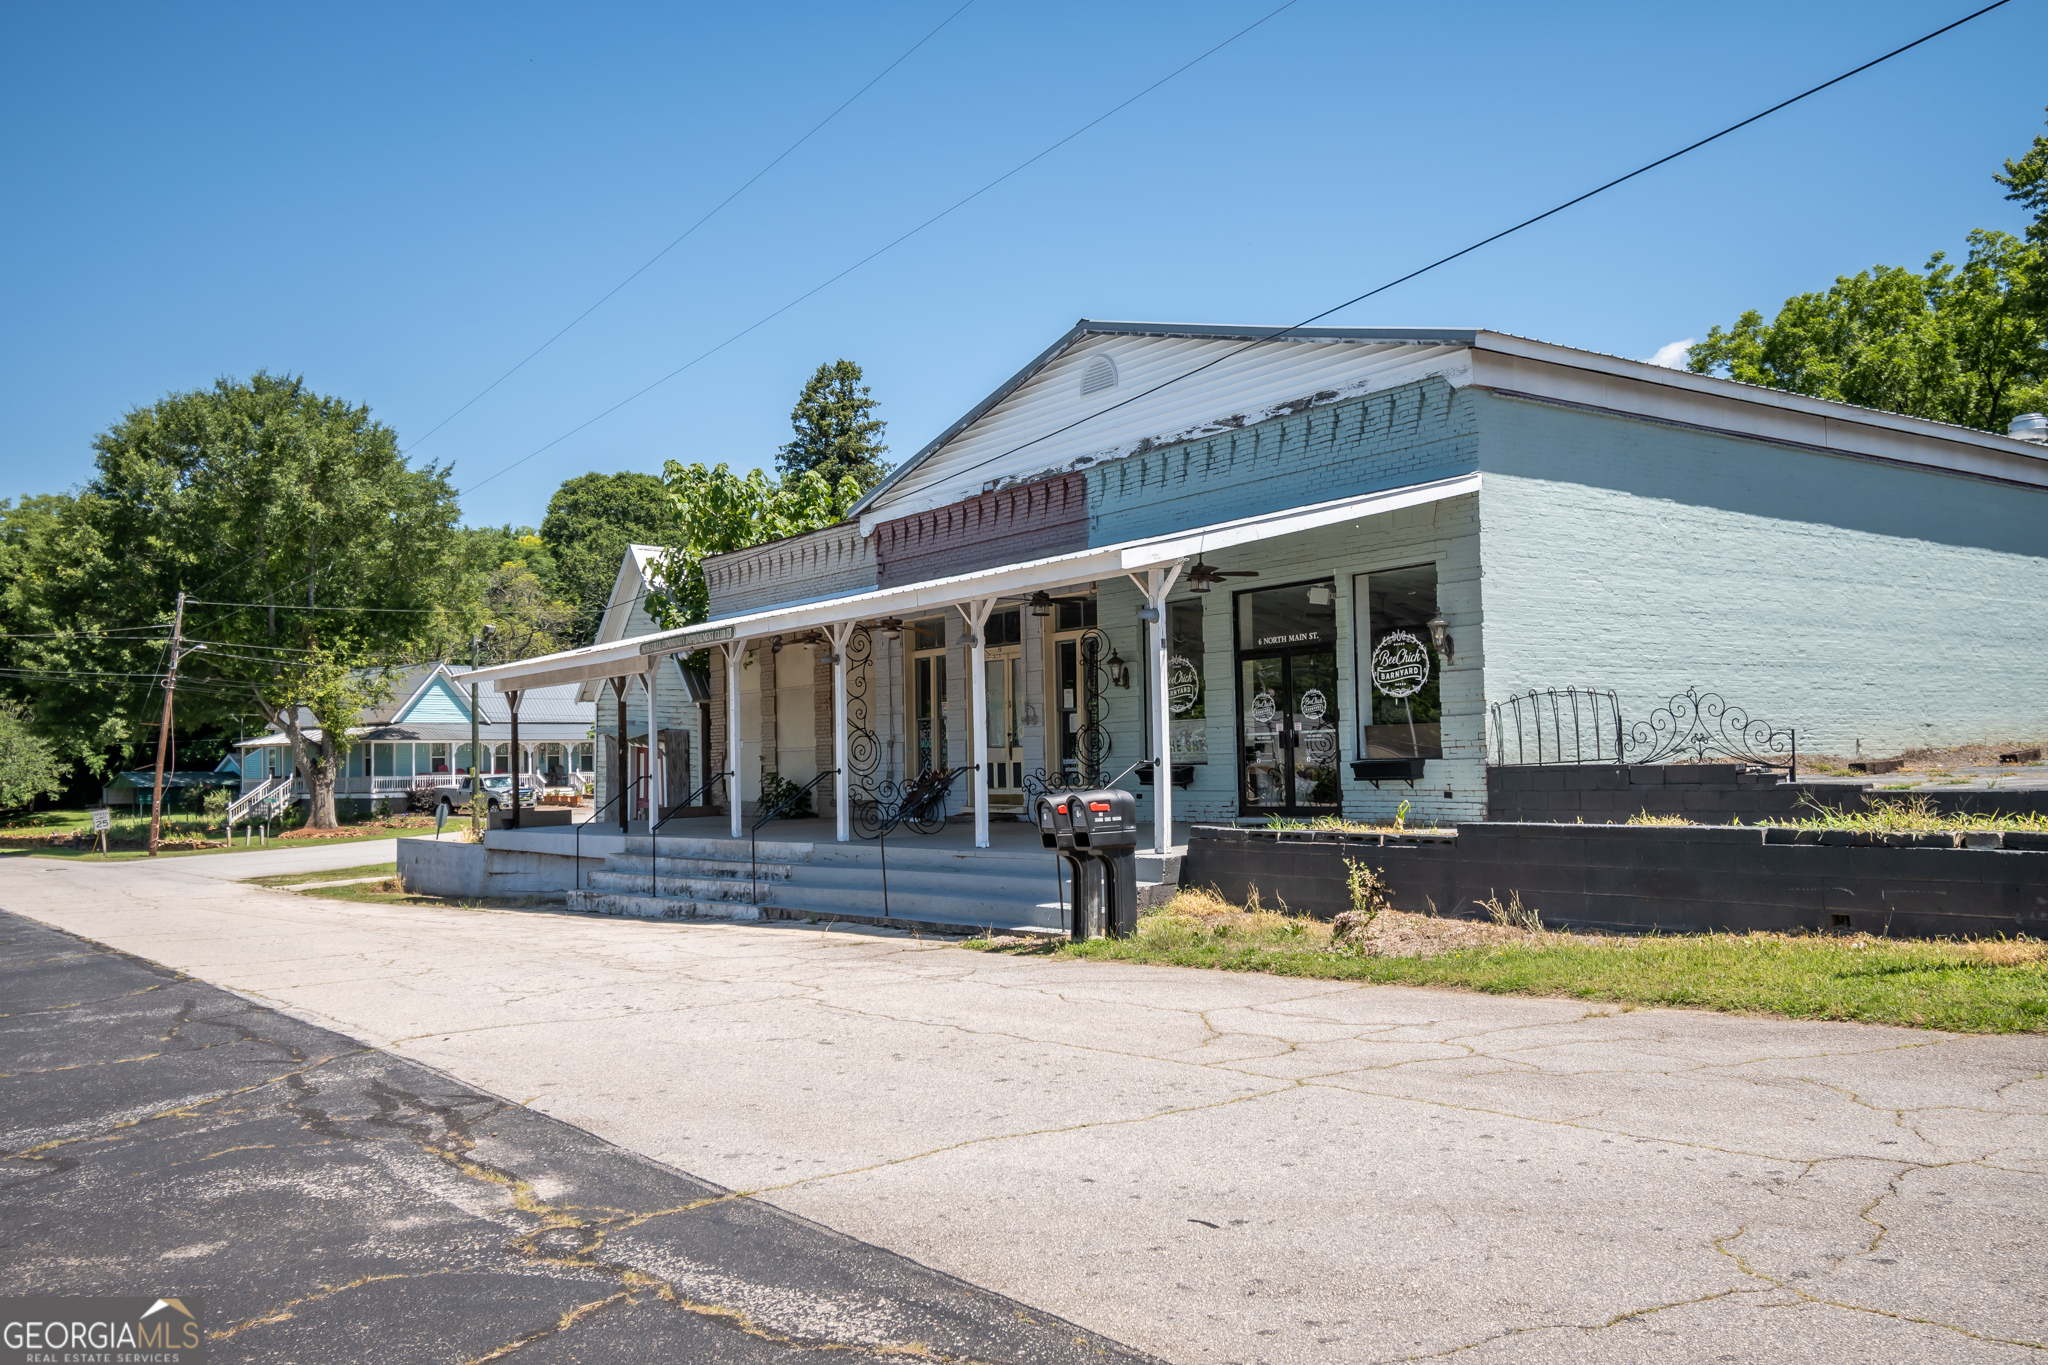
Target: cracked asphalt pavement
(1204, 1166)
(332, 1202)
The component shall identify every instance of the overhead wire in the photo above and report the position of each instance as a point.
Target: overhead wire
(891, 245)
(678, 241)
(1279, 332)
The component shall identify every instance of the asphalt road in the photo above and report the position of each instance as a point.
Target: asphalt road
(1208, 1166)
(331, 1202)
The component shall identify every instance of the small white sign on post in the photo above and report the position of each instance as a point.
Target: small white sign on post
(102, 819)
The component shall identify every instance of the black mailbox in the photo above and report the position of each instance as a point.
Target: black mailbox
(1096, 834)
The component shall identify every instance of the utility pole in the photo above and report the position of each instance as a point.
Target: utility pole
(163, 732)
(476, 769)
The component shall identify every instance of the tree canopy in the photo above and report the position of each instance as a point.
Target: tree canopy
(590, 522)
(720, 511)
(29, 766)
(837, 436)
(308, 545)
(1961, 343)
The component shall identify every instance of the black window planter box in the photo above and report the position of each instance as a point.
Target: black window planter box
(1378, 770)
(1183, 775)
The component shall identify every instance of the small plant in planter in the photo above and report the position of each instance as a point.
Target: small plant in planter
(784, 798)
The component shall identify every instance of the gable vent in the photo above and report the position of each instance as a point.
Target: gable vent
(1100, 375)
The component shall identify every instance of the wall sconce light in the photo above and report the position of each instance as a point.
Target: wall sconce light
(1041, 604)
(1119, 671)
(1440, 636)
(775, 645)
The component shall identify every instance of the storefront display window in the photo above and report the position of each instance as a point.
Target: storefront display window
(1187, 700)
(1399, 673)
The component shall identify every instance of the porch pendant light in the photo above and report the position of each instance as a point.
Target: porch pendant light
(1041, 604)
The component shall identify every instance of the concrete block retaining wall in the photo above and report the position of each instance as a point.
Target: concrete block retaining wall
(428, 867)
(1649, 877)
(1711, 793)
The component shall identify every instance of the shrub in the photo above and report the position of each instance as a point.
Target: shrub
(782, 797)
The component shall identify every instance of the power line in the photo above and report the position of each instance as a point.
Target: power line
(1465, 251)
(280, 606)
(780, 157)
(886, 247)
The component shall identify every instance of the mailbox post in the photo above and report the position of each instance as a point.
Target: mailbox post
(1096, 834)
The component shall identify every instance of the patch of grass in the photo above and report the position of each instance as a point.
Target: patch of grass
(334, 875)
(1910, 816)
(1916, 815)
(127, 854)
(1987, 986)
(390, 892)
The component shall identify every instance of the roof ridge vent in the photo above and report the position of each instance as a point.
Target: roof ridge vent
(1100, 375)
(2028, 426)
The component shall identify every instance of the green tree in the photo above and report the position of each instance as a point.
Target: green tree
(590, 522)
(29, 766)
(1956, 343)
(836, 435)
(2026, 183)
(309, 545)
(719, 511)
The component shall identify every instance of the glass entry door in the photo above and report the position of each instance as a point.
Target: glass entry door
(1287, 720)
(1004, 675)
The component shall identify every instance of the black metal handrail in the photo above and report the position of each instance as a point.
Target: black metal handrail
(654, 848)
(931, 786)
(790, 801)
(621, 795)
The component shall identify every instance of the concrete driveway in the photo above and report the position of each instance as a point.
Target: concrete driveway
(1206, 1166)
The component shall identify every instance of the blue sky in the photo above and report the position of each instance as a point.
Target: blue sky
(400, 202)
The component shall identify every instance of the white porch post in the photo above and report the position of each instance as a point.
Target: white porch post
(648, 685)
(735, 651)
(1158, 583)
(977, 614)
(841, 635)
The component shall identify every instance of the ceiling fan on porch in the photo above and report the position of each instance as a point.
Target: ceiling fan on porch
(1202, 577)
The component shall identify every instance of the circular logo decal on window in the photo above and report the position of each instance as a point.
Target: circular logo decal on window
(1183, 685)
(1400, 664)
(1314, 704)
(1263, 709)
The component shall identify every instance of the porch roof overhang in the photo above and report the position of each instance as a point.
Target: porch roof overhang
(638, 654)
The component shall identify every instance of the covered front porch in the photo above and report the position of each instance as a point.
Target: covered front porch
(1112, 665)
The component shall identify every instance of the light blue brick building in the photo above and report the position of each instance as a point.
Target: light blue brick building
(1302, 569)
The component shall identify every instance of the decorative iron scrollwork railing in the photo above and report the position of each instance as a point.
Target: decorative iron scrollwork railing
(1581, 725)
(920, 803)
(1703, 723)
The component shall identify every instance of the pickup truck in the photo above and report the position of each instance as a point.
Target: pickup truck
(452, 790)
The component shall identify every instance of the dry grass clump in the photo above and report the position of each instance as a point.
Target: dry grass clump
(2005, 952)
(1199, 919)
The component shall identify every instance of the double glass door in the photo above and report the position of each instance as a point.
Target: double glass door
(1287, 716)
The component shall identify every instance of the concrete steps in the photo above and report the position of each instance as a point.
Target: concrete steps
(936, 889)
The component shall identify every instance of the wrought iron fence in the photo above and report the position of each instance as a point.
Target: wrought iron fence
(1558, 725)
(1584, 725)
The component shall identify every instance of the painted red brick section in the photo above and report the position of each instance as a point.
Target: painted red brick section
(1028, 521)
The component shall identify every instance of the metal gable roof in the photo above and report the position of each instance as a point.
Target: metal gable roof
(1036, 424)
(1087, 328)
